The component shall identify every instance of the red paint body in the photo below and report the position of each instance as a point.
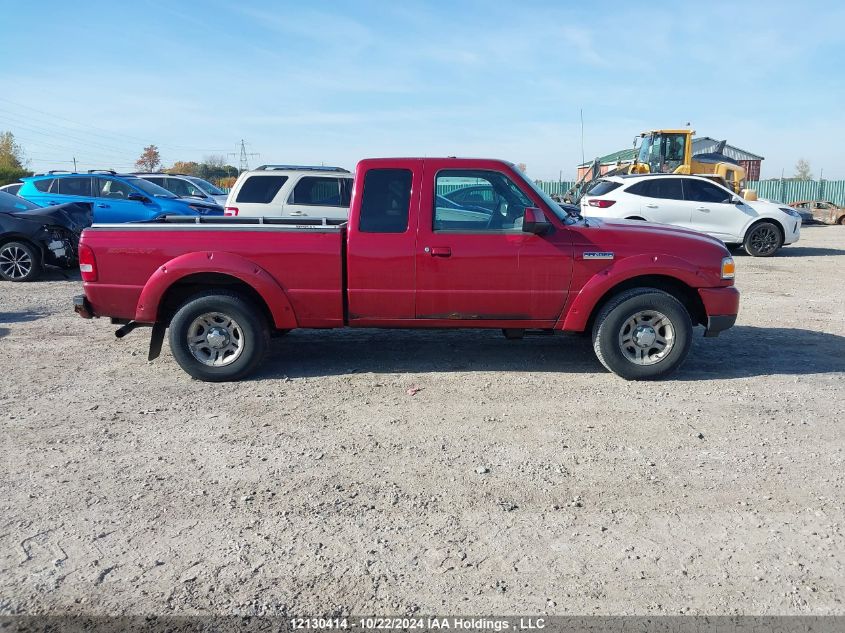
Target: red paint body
(419, 278)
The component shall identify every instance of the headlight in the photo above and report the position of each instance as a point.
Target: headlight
(791, 212)
(728, 268)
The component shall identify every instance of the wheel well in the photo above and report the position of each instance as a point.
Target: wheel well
(771, 221)
(675, 287)
(191, 285)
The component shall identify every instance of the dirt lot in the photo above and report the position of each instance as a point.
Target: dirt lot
(521, 478)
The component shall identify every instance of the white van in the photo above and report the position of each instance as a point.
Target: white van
(292, 191)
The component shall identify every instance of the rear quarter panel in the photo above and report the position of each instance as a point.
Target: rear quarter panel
(306, 265)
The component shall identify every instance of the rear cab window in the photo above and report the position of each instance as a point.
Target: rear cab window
(260, 189)
(385, 201)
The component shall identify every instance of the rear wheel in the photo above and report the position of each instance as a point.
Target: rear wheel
(842, 220)
(218, 336)
(763, 240)
(642, 334)
(19, 261)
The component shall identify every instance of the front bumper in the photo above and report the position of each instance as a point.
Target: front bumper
(82, 307)
(721, 306)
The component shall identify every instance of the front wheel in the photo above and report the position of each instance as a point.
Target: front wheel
(763, 240)
(642, 334)
(218, 336)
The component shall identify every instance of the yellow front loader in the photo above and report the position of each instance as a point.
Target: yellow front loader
(670, 152)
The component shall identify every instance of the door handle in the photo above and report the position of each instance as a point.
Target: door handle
(296, 213)
(652, 206)
(104, 206)
(705, 209)
(439, 251)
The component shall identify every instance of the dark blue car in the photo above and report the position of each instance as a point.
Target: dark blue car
(116, 197)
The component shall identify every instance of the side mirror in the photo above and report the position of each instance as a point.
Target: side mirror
(737, 200)
(535, 221)
(137, 197)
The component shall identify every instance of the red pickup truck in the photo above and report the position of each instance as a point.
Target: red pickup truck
(429, 243)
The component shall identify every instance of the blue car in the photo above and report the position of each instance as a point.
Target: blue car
(116, 197)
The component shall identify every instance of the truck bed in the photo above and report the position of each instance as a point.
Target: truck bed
(304, 257)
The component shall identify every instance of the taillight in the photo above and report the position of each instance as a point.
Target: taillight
(601, 204)
(87, 263)
(231, 211)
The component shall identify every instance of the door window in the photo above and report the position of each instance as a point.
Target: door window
(321, 192)
(503, 211)
(386, 201)
(114, 189)
(703, 191)
(75, 186)
(260, 189)
(665, 188)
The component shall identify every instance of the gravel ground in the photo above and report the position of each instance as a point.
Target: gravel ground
(520, 478)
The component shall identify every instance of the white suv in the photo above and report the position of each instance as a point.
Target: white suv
(695, 202)
(291, 191)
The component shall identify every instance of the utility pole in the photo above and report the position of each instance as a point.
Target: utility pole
(74, 164)
(243, 157)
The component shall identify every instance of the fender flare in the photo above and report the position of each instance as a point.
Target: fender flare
(219, 262)
(577, 314)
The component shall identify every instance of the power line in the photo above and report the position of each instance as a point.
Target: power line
(86, 128)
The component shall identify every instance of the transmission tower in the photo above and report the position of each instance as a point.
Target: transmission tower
(244, 157)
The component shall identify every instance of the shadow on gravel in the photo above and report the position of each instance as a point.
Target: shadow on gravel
(17, 317)
(742, 351)
(796, 251)
(340, 352)
(745, 351)
(58, 274)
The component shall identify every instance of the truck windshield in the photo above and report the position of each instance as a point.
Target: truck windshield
(554, 207)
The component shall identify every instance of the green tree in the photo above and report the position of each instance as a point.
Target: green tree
(802, 170)
(12, 160)
(187, 167)
(11, 153)
(150, 159)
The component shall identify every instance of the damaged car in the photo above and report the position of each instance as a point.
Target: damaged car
(32, 237)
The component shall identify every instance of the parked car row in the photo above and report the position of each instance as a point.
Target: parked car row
(115, 197)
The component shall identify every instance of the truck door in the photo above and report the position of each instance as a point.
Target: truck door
(475, 264)
(381, 239)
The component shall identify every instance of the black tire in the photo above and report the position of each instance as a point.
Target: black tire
(249, 334)
(19, 261)
(763, 239)
(841, 221)
(620, 311)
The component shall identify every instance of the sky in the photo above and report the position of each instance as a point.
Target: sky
(334, 82)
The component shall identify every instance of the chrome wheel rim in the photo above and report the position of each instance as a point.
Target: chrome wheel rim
(215, 339)
(647, 337)
(764, 240)
(15, 262)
